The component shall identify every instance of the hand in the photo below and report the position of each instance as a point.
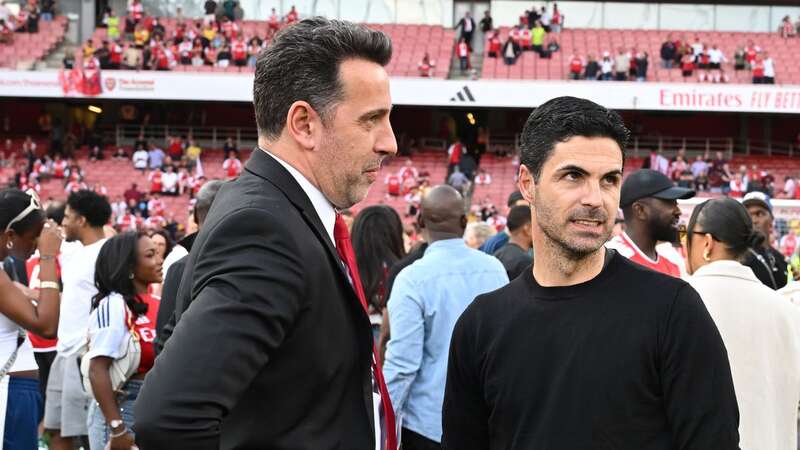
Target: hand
(50, 239)
(32, 294)
(124, 442)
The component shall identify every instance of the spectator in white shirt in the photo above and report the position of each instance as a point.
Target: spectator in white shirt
(789, 187)
(140, 158)
(716, 57)
(769, 69)
(606, 67)
(169, 181)
(697, 47)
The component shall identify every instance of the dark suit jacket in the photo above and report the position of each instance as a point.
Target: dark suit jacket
(274, 351)
(165, 321)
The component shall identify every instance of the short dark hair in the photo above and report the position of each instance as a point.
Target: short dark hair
(728, 222)
(91, 205)
(518, 217)
(205, 197)
(562, 118)
(514, 197)
(55, 211)
(302, 63)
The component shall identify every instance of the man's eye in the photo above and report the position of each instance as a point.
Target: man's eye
(572, 176)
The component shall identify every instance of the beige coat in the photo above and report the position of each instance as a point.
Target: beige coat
(761, 331)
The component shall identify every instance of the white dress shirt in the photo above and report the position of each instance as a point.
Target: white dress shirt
(323, 207)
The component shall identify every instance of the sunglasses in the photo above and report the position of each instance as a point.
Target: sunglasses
(26, 212)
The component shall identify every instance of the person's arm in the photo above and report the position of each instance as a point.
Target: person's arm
(248, 287)
(465, 418)
(404, 351)
(42, 318)
(105, 344)
(696, 378)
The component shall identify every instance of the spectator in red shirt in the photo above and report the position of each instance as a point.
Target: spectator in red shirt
(687, 65)
(757, 68)
(292, 16)
(576, 65)
(239, 51)
(750, 54)
(494, 44)
(274, 23)
(462, 51)
(426, 66)
(232, 166)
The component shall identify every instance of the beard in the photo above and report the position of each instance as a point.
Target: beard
(663, 230)
(348, 182)
(573, 247)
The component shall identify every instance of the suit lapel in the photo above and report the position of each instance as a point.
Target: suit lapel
(266, 167)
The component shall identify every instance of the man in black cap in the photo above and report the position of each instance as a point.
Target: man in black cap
(649, 203)
(768, 264)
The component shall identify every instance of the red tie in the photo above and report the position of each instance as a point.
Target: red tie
(345, 249)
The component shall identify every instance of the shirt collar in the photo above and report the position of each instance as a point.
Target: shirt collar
(727, 268)
(323, 207)
(446, 243)
(636, 248)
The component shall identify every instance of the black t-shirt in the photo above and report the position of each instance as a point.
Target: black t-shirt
(628, 360)
(514, 259)
(769, 266)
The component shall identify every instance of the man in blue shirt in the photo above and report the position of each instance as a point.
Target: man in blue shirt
(426, 300)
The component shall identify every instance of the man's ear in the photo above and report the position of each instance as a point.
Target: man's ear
(526, 184)
(301, 124)
(639, 210)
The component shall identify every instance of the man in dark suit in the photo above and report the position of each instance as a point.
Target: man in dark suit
(275, 350)
(467, 25)
(165, 322)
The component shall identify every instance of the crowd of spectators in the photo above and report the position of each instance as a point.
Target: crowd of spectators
(536, 31)
(713, 174)
(140, 41)
(709, 61)
(24, 18)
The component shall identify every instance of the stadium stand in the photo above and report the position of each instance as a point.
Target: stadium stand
(29, 47)
(583, 42)
(411, 43)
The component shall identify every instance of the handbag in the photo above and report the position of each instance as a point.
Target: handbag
(122, 368)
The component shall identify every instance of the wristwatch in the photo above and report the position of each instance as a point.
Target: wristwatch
(114, 424)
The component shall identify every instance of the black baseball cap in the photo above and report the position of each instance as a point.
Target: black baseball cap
(650, 183)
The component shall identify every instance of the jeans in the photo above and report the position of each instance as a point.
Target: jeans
(23, 409)
(667, 63)
(47, 17)
(96, 422)
(463, 61)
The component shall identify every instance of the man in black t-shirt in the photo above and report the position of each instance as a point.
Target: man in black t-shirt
(768, 264)
(587, 350)
(515, 255)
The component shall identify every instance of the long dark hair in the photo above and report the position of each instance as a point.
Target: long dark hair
(378, 244)
(728, 222)
(114, 269)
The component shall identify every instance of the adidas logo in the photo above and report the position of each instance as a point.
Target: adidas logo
(463, 95)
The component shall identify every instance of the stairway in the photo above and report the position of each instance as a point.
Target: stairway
(475, 60)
